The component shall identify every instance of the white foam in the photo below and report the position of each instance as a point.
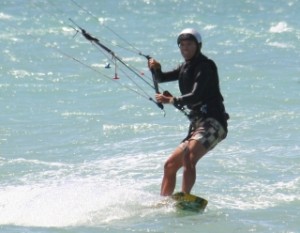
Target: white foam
(5, 16)
(85, 194)
(280, 45)
(258, 195)
(280, 28)
(20, 73)
(210, 27)
(73, 203)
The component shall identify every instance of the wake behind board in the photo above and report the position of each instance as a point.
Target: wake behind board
(189, 202)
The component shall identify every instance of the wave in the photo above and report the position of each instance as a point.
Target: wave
(4, 16)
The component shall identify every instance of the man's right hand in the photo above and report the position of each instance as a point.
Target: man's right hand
(153, 64)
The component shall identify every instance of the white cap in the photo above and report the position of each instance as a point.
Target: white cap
(186, 33)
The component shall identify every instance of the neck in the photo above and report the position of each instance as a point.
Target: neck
(196, 55)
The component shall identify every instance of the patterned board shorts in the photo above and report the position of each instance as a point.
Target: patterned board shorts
(208, 132)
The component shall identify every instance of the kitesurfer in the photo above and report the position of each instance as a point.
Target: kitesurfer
(200, 93)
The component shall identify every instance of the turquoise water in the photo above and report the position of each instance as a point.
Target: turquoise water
(81, 152)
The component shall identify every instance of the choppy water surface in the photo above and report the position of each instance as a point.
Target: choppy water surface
(81, 152)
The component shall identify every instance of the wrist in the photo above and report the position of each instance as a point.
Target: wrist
(172, 100)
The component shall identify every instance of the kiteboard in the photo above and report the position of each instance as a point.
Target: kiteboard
(189, 202)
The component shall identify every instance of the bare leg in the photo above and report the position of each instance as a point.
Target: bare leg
(172, 165)
(196, 152)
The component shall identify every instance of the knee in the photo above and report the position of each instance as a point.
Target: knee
(188, 163)
(170, 167)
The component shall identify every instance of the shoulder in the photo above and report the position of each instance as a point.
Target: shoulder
(212, 64)
(207, 63)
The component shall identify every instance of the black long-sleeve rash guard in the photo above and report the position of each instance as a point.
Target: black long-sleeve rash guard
(199, 86)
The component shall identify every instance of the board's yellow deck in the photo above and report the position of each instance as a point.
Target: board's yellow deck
(189, 202)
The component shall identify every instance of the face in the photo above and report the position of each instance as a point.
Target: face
(188, 48)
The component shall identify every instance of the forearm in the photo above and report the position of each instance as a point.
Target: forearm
(162, 77)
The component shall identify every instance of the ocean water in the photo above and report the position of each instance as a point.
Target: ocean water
(83, 152)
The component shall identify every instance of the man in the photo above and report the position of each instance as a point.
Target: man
(200, 93)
